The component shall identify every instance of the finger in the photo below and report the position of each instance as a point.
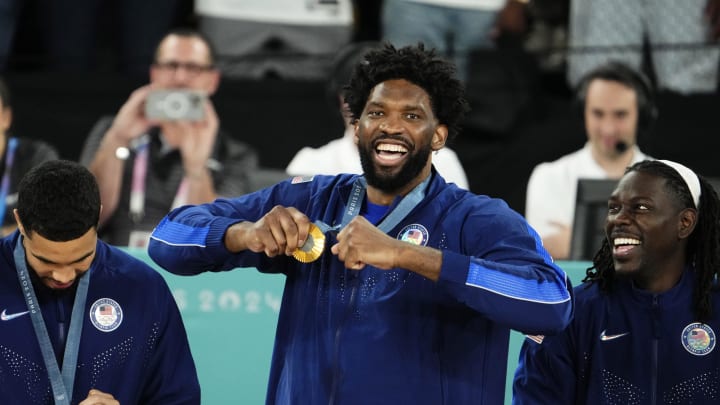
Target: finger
(278, 231)
(140, 93)
(349, 228)
(355, 265)
(97, 397)
(352, 260)
(136, 101)
(302, 223)
(97, 393)
(263, 241)
(281, 226)
(170, 127)
(350, 257)
(181, 126)
(296, 227)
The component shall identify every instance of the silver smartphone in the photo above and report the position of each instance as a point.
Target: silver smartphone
(175, 105)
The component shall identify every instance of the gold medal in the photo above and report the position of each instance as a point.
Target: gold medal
(313, 246)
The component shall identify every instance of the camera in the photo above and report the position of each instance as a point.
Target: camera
(175, 105)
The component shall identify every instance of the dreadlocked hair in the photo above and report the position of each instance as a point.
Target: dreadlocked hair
(419, 66)
(703, 248)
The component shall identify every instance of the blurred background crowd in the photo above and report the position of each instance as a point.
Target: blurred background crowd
(66, 64)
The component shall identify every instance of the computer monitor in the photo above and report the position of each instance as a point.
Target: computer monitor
(588, 228)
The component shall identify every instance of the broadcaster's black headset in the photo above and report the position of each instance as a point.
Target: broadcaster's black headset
(623, 74)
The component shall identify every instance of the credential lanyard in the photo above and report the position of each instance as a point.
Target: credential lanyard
(352, 209)
(137, 190)
(5, 185)
(62, 384)
(401, 210)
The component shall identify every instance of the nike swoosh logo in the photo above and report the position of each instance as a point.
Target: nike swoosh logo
(6, 317)
(605, 338)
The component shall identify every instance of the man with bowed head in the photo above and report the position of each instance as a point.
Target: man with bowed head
(83, 322)
(408, 285)
(646, 319)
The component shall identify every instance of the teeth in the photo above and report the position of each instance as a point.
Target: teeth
(626, 241)
(387, 147)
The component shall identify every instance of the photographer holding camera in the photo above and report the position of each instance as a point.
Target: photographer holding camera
(164, 148)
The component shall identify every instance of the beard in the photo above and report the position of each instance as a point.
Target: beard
(384, 179)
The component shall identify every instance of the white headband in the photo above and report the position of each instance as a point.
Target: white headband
(691, 179)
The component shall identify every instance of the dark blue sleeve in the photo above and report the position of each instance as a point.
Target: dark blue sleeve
(502, 271)
(190, 239)
(546, 371)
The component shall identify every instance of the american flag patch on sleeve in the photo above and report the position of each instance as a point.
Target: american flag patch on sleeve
(301, 179)
(536, 338)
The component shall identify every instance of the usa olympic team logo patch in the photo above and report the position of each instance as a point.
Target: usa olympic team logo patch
(106, 314)
(698, 339)
(415, 234)
(301, 179)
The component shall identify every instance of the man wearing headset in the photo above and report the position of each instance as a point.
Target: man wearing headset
(617, 104)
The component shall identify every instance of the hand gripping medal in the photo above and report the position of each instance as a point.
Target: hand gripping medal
(313, 246)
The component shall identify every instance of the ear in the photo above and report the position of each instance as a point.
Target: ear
(19, 224)
(356, 126)
(439, 137)
(5, 119)
(686, 225)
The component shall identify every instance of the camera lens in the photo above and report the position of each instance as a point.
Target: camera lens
(175, 105)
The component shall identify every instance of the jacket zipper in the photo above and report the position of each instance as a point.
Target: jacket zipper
(60, 350)
(655, 343)
(337, 372)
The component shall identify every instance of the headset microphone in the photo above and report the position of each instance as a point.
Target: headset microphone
(621, 147)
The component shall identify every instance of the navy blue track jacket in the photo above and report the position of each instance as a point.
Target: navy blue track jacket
(387, 336)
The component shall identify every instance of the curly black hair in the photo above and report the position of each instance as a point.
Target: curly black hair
(417, 65)
(703, 248)
(59, 200)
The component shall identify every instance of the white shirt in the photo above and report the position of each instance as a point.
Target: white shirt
(468, 4)
(552, 188)
(341, 156)
(298, 12)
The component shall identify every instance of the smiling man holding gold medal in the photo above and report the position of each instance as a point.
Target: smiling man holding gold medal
(401, 288)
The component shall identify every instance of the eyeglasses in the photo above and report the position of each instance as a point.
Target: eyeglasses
(192, 69)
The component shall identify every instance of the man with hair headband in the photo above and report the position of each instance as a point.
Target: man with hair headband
(407, 286)
(647, 317)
